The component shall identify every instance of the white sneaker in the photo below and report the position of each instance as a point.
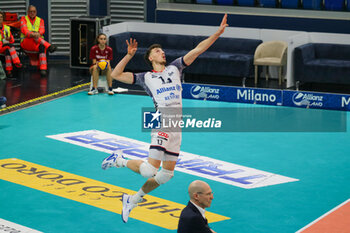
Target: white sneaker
(120, 90)
(110, 92)
(127, 207)
(93, 92)
(114, 160)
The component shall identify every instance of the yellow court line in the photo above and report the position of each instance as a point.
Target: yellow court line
(153, 210)
(43, 98)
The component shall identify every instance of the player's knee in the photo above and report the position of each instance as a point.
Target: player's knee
(95, 69)
(147, 170)
(163, 176)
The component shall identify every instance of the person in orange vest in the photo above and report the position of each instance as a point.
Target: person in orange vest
(32, 39)
(6, 47)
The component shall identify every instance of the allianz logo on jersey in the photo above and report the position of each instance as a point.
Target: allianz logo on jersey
(172, 96)
(166, 89)
(205, 92)
(307, 99)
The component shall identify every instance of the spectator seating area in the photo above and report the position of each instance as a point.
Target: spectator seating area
(326, 61)
(322, 63)
(331, 5)
(227, 56)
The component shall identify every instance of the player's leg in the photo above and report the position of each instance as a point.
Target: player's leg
(47, 45)
(154, 159)
(29, 46)
(171, 142)
(11, 51)
(109, 80)
(95, 77)
(8, 62)
(148, 170)
(163, 176)
(42, 60)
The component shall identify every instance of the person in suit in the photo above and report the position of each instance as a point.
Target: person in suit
(192, 218)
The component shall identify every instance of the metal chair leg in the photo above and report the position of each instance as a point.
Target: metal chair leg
(256, 76)
(280, 75)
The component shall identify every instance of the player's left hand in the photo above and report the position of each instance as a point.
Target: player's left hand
(132, 46)
(223, 25)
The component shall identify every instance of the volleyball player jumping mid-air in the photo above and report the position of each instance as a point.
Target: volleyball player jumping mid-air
(165, 143)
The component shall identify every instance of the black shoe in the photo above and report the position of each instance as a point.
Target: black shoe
(9, 74)
(19, 65)
(52, 48)
(43, 73)
(110, 91)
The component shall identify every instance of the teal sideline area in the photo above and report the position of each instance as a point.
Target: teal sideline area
(319, 160)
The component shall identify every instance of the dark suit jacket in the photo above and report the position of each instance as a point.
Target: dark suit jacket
(191, 221)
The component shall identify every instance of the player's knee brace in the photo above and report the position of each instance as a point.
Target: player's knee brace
(147, 170)
(163, 176)
(41, 48)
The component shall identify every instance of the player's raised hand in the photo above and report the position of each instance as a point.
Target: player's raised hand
(132, 46)
(223, 24)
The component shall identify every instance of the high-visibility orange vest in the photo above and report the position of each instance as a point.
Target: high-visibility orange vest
(32, 27)
(5, 33)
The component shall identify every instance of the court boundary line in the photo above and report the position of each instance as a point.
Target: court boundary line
(45, 98)
(324, 215)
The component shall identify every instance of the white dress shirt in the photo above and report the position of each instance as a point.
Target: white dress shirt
(201, 210)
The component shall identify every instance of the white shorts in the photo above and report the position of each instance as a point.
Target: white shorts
(169, 142)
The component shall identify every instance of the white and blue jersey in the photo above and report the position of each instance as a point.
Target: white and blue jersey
(164, 87)
(166, 91)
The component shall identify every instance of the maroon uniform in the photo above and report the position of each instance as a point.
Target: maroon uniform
(98, 54)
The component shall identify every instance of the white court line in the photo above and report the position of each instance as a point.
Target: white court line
(8, 227)
(318, 219)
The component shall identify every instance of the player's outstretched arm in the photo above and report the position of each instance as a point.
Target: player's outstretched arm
(118, 72)
(205, 44)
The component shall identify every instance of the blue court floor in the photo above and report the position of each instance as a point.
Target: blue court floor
(56, 186)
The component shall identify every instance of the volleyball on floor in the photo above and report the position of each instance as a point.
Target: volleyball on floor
(102, 64)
